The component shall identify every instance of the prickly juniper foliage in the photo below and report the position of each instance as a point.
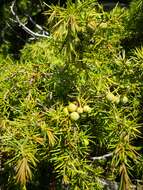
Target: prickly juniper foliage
(71, 105)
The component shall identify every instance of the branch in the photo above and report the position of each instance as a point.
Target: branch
(102, 157)
(37, 25)
(34, 34)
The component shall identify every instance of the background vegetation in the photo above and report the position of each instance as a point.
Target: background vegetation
(71, 103)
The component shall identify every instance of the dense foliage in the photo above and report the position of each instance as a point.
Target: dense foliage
(70, 100)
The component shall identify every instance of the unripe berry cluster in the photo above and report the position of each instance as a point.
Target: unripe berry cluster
(74, 111)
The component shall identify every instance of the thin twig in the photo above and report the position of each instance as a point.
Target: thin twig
(102, 157)
(34, 34)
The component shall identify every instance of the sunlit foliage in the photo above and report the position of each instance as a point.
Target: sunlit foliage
(71, 99)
